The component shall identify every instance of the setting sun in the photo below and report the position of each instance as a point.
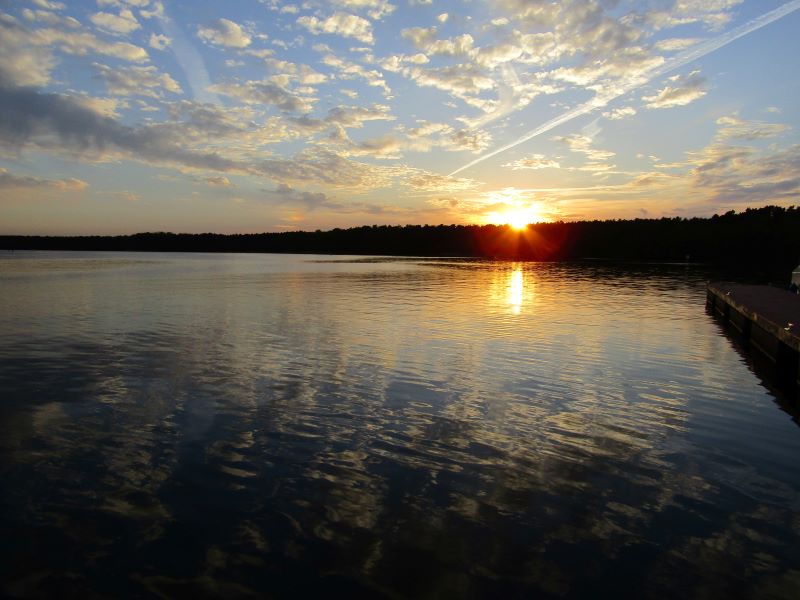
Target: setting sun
(519, 219)
(516, 217)
(514, 208)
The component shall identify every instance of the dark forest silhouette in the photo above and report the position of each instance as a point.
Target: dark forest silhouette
(765, 239)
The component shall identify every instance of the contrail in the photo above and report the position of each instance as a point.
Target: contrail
(189, 60)
(675, 62)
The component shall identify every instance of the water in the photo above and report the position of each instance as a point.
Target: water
(290, 426)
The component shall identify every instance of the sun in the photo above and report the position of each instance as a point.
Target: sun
(516, 217)
(515, 208)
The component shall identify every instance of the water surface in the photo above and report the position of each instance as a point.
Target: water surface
(241, 425)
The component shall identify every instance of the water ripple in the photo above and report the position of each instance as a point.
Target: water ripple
(233, 425)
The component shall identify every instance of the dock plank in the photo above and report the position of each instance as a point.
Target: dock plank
(774, 309)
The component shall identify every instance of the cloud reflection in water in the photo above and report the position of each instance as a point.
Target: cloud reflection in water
(236, 425)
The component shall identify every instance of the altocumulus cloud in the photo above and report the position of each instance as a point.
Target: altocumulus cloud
(341, 24)
(680, 92)
(224, 32)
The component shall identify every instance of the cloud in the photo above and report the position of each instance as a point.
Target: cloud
(350, 70)
(22, 63)
(125, 195)
(356, 116)
(121, 24)
(534, 161)
(394, 63)
(642, 75)
(49, 18)
(620, 113)
(726, 173)
(460, 45)
(652, 179)
(597, 160)
(487, 68)
(340, 23)
(218, 181)
(583, 144)
(313, 201)
(133, 81)
(672, 44)
(288, 72)
(26, 56)
(324, 167)
(81, 43)
(238, 129)
(159, 42)
(341, 118)
(471, 140)
(714, 14)
(155, 10)
(54, 122)
(683, 91)
(11, 181)
(61, 124)
(425, 39)
(376, 9)
(49, 4)
(434, 182)
(732, 127)
(580, 28)
(462, 81)
(385, 146)
(108, 107)
(579, 48)
(717, 175)
(309, 200)
(224, 32)
(265, 92)
(421, 37)
(494, 55)
(428, 135)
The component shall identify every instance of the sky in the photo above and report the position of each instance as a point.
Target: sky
(121, 116)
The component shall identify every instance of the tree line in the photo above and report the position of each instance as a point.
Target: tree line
(766, 239)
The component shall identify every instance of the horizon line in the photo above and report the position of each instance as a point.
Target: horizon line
(557, 221)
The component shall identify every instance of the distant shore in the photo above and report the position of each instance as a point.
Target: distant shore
(764, 239)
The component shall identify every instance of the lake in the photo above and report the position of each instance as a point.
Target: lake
(295, 425)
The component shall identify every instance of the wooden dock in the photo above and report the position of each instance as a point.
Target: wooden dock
(768, 319)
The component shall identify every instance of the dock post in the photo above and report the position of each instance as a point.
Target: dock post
(747, 327)
(787, 363)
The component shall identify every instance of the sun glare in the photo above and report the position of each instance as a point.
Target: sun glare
(512, 207)
(518, 218)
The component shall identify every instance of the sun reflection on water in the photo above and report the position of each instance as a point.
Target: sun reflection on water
(516, 289)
